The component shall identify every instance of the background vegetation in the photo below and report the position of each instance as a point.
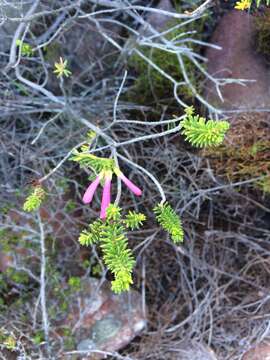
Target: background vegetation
(128, 83)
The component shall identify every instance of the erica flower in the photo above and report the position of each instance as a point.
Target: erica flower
(128, 183)
(106, 195)
(88, 195)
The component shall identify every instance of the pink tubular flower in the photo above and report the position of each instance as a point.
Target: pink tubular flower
(88, 195)
(106, 195)
(128, 183)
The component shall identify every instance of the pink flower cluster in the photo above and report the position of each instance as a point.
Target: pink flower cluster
(106, 195)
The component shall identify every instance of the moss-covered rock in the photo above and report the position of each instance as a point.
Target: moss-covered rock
(151, 86)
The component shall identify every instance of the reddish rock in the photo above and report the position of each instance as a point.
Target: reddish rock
(6, 261)
(260, 352)
(101, 320)
(62, 224)
(21, 255)
(238, 59)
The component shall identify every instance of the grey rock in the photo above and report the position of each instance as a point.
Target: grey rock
(7, 27)
(159, 21)
(85, 345)
(105, 329)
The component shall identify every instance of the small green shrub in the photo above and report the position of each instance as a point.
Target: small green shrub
(150, 85)
(262, 35)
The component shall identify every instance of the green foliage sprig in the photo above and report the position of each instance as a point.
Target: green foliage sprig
(134, 220)
(169, 221)
(264, 184)
(258, 2)
(26, 49)
(117, 256)
(91, 235)
(111, 235)
(34, 200)
(201, 133)
(7, 340)
(93, 162)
